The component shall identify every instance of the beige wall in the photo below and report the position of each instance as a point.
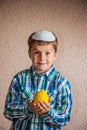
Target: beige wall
(68, 19)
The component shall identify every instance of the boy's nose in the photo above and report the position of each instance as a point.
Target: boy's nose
(42, 56)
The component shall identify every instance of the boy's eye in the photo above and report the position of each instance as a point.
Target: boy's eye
(36, 52)
(47, 53)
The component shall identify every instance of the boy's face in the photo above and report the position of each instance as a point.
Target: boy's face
(42, 56)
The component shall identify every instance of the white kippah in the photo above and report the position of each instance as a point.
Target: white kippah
(44, 36)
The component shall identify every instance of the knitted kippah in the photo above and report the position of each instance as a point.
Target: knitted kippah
(44, 35)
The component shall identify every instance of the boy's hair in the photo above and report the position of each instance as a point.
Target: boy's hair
(40, 42)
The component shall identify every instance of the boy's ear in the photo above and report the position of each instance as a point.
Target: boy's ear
(56, 55)
(29, 53)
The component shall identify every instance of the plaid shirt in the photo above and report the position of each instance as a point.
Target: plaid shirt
(24, 86)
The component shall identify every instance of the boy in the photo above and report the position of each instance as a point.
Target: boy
(19, 106)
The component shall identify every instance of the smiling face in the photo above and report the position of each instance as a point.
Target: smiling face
(42, 56)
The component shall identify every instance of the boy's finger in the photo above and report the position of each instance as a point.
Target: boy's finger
(45, 106)
(49, 100)
(29, 101)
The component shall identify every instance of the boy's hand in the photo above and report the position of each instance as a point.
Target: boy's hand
(45, 107)
(40, 108)
(34, 107)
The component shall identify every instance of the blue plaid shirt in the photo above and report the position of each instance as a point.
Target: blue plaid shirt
(24, 86)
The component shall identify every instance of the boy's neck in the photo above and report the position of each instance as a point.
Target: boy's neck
(40, 72)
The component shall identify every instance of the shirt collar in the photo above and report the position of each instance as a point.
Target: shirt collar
(49, 74)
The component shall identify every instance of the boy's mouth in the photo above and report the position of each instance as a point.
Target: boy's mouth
(41, 63)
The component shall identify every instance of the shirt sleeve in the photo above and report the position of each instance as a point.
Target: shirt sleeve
(16, 104)
(60, 113)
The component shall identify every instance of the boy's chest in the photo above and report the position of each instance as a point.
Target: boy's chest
(34, 85)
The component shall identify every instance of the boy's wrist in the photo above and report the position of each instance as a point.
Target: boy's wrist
(30, 111)
(44, 114)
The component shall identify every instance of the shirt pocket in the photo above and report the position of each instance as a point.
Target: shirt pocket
(23, 98)
(52, 95)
